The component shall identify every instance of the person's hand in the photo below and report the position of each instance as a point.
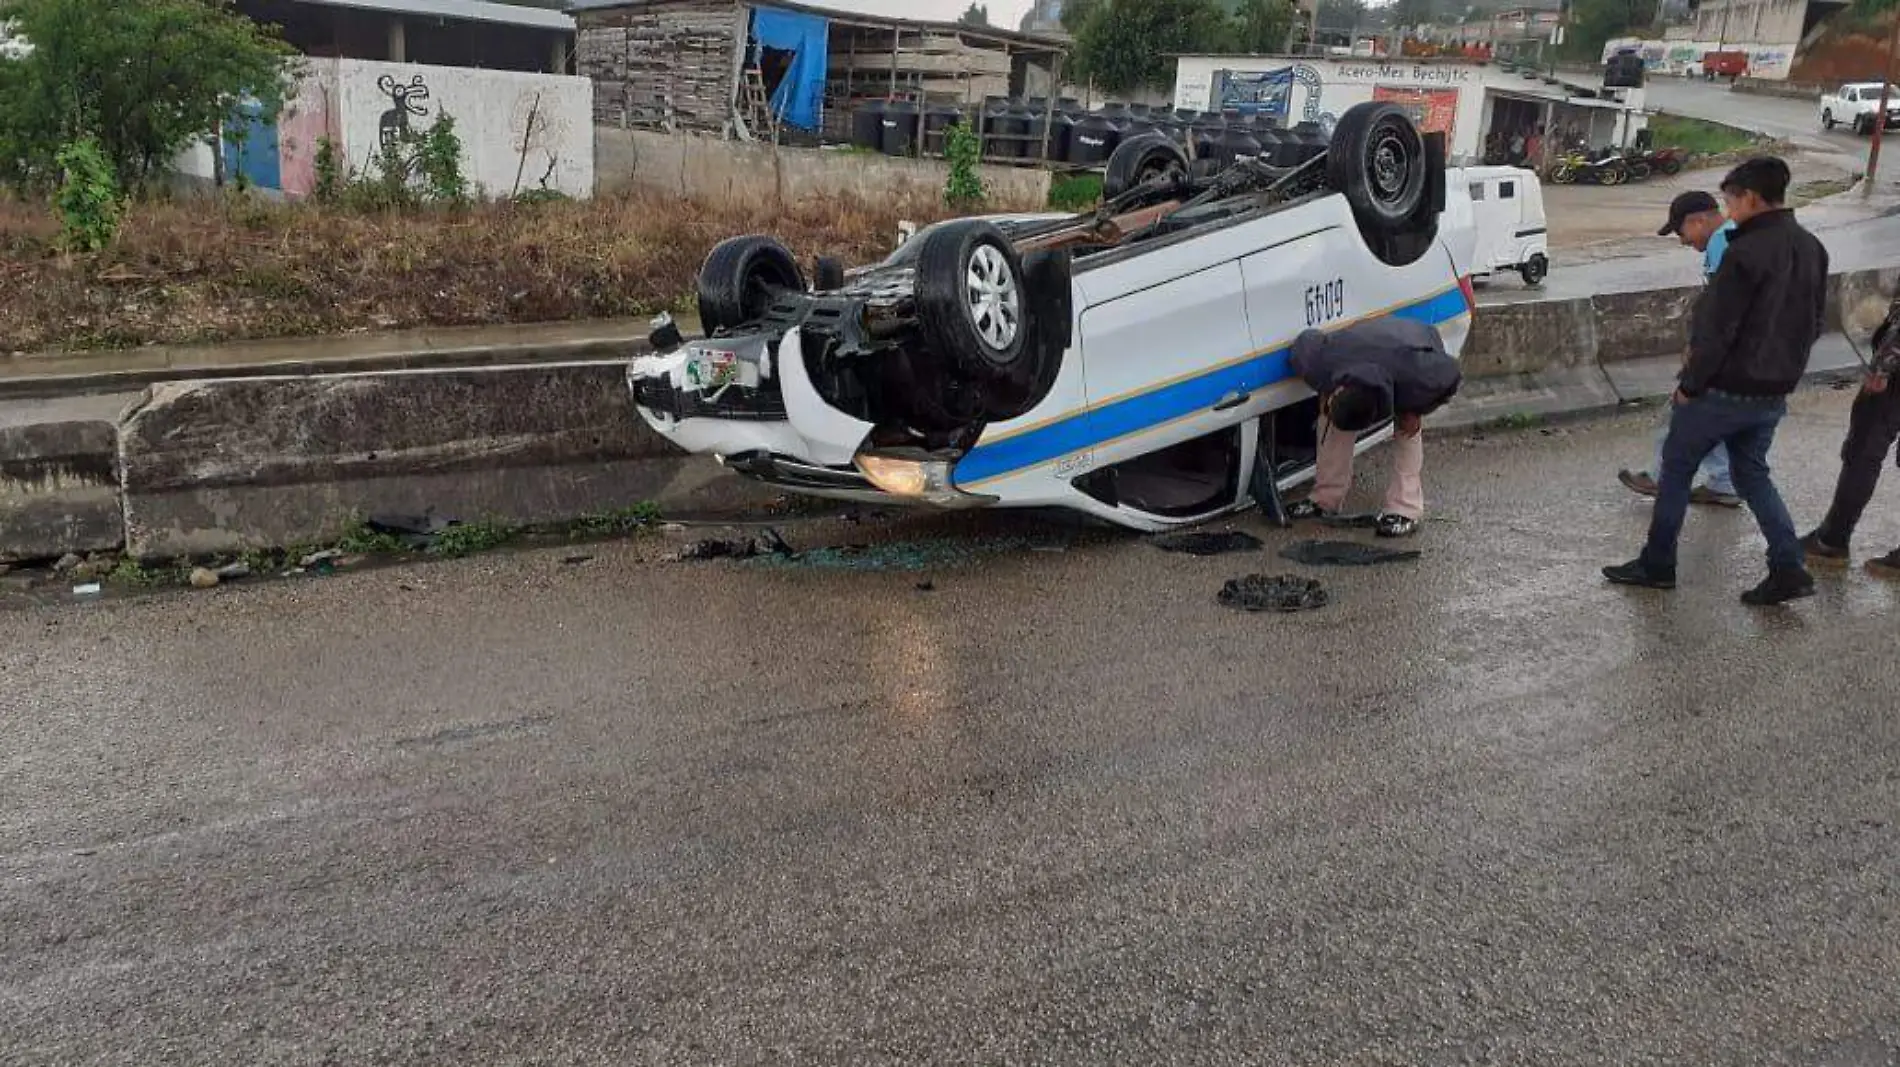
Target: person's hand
(1680, 398)
(1876, 383)
(1410, 425)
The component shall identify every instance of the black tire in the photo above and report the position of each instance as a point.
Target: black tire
(1048, 277)
(1404, 247)
(983, 334)
(1827, 119)
(1862, 127)
(1377, 161)
(1534, 270)
(1142, 159)
(741, 278)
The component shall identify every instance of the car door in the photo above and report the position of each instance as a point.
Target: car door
(1164, 335)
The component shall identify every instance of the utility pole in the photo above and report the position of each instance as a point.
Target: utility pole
(1880, 116)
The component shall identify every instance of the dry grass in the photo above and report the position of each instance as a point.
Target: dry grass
(216, 270)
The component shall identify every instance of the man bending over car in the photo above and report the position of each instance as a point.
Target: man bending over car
(1364, 374)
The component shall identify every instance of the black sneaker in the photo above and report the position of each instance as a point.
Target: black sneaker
(1887, 566)
(1821, 552)
(1302, 510)
(1634, 573)
(1779, 588)
(1391, 525)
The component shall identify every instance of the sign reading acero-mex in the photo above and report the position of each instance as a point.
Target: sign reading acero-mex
(1404, 73)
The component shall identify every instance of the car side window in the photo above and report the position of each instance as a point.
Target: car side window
(1477, 191)
(1849, 95)
(1507, 190)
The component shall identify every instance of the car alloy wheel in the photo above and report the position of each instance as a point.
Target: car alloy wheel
(995, 302)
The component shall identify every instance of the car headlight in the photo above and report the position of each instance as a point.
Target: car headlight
(918, 478)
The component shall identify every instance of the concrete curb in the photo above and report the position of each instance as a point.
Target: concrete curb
(228, 464)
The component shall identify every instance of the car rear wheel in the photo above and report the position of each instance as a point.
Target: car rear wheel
(972, 306)
(1142, 159)
(1827, 120)
(741, 278)
(1377, 161)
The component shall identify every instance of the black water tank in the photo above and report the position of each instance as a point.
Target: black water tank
(867, 125)
(1303, 142)
(900, 128)
(938, 118)
(1012, 132)
(1061, 136)
(1096, 138)
(1207, 131)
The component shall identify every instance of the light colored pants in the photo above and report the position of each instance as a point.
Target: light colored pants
(1714, 468)
(1404, 493)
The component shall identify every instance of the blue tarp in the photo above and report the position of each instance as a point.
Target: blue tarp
(800, 98)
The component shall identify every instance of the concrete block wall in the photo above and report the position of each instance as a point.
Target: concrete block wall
(715, 170)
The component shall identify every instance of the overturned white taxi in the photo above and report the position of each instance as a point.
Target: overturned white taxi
(1130, 362)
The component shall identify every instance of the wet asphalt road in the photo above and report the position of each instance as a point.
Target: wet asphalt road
(1059, 808)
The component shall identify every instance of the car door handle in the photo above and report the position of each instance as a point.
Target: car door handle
(1233, 400)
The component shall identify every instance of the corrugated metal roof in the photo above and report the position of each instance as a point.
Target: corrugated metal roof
(463, 10)
(1025, 41)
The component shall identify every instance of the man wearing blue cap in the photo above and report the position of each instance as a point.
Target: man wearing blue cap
(1697, 221)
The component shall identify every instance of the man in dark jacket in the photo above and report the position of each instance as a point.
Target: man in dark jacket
(1365, 373)
(1753, 330)
(1872, 428)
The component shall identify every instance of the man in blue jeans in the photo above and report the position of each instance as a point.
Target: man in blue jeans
(1696, 220)
(1753, 331)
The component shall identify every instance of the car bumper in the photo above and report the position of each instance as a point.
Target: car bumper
(768, 423)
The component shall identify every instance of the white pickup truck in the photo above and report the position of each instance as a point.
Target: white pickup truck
(1855, 104)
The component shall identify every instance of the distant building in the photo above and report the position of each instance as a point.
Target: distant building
(533, 38)
(1045, 16)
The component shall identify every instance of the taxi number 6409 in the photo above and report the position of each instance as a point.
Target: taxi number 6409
(1325, 302)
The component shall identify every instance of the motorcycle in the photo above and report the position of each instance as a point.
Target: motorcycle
(1602, 167)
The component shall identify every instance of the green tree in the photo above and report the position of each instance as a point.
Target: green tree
(142, 79)
(1130, 44)
(1593, 23)
(977, 15)
(1076, 14)
(1262, 26)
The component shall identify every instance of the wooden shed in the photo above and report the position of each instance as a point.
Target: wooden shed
(757, 71)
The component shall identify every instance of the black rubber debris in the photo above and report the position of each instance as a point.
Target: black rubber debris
(1344, 554)
(1208, 544)
(771, 544)
(1276, 592)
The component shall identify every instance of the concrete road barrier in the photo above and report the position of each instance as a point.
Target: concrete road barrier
(59, 479)
(223, 465)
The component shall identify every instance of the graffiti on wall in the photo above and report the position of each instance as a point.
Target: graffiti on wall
(408, 100)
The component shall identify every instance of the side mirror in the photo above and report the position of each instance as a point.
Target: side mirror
(666, 337)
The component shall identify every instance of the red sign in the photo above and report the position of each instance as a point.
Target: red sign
(1433, 110)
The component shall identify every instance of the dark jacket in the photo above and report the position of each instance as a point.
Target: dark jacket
(1404, 357)
(1887, 342)
(1757, 322)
